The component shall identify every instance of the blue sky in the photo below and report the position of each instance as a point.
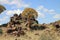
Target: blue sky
(48, 10)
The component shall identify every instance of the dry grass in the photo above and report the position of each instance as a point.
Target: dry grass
(34, 35)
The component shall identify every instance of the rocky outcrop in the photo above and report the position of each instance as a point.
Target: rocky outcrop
(18, 24)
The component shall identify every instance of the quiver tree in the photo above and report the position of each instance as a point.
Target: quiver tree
(29, 13)
(2, 8)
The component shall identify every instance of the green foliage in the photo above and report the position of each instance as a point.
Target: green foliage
(34, 22)
(3, 25)
(2, 8)
(37, 27)
(29, 13)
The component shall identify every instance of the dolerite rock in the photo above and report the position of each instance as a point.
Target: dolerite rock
(18, 24)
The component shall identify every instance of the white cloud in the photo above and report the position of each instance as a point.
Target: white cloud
(50, 11)
(40, 8)
(11, 12)
(17, 3)
(45, 10)
(8, 14)
(56, 16)
(4, 2)
(40, 15)
(3, 19)
(0, 24)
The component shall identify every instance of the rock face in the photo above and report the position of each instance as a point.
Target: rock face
(17, 25)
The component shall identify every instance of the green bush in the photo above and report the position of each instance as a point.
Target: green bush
(3, 25)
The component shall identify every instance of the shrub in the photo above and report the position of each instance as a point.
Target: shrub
(3, 25)
(37, 27)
